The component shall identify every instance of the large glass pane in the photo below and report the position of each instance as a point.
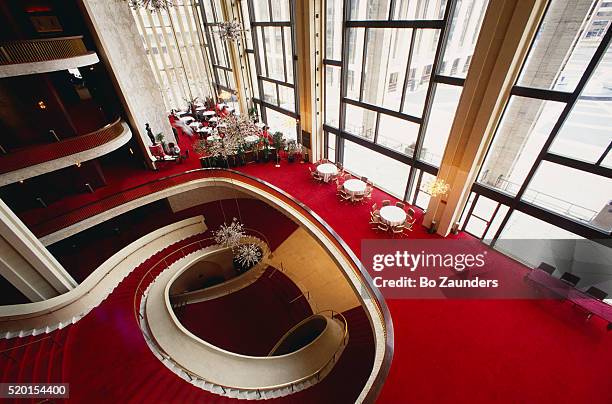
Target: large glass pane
(440, 121)
(244, 7)
(273, 49)
(360, 122)
(423, 196)
(269, 92)
(421, 69)
(419, 10)
(385, 66)
(281, 122)
(575, 194)
(253, 69)
(288, 54)
(387, 173)
(331, 146)
(587, 131)
(397, 134)
(262, 13)
(369, 9)
(564, 45)
(567, 252)
(332, 96)
(355, 55)
(287, 98)
(333, 29)
(262, 56)
(524, 128)
(280, 10)
(461, 41)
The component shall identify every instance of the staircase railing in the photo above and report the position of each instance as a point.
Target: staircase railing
(372, 294)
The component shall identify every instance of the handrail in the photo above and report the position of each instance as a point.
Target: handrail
(41, 50)
(38, 154)
(26, 344)
(374, 295)
(320, 313)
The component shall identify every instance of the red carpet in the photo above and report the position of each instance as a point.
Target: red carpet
(509, 351)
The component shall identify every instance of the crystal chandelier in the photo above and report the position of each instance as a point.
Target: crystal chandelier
(152, 5)
(229, 235)
(438, 187)
(230, 30)
(248, 255)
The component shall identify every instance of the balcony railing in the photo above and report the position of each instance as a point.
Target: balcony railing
(40, 50)
(37, 154)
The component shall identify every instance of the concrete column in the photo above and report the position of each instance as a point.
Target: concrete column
(557, 39)
(309, 42)
(507, 31)
(121, 48)
(26, 263)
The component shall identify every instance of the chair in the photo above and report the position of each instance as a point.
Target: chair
(386, 202)
(596, 293)
(410, 213)
(398, 229)
(400, 205)
(374, 219)
(364, 179)
(570, 279)
(373, 207)
(343, 195)
(382, 226)
(357, 198)
(340, 167)
(368, 193)
(549, 269)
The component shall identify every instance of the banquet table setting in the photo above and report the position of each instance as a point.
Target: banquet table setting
(327, 171)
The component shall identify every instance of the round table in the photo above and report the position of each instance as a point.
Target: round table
(392, 215)
(195, 125)
(208, 113)
(354, 187)
(213, 138)
(260, 125)
(187, 119)
(251, 139)
(214, 119)
(327, 170)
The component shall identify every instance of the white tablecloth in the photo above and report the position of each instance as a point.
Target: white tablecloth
(327, 170)
(187, 119)
(354, 187)
(195, 125)
(213, 138)
(392, 215)
(209, 113)
(251, 139)
(214, 119)
(205, 129)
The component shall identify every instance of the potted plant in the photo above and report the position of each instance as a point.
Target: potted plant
(266, 149)
(191, 105)
(241, 155)
(160, 138)
(279, 143)
(292, 149)
(253, 114)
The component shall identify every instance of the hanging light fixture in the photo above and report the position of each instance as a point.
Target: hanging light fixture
(438, 187)
(230, 30)
(152, 5)
(229, 235)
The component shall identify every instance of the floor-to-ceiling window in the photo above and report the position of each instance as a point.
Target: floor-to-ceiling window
(393, 73)
(271, 52)
(548, 172)
(172, 40)
(212, 15)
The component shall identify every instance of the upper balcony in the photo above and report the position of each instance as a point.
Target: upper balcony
(23, 57)
(39, 159)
